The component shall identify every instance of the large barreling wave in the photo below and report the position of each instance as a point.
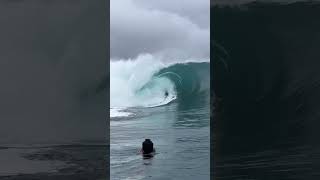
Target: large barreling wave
(149, 82)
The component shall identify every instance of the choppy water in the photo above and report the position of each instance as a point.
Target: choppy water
(181, 139)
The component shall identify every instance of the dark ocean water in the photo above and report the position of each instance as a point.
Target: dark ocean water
(180, 131)
(57, 162)
(266, 90)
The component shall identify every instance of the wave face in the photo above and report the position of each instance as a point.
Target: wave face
(148, 82)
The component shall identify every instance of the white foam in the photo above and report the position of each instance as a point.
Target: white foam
(118, 112)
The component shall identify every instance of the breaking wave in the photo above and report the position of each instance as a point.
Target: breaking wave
(148, 82)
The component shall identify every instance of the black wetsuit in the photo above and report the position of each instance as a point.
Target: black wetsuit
(147, 146)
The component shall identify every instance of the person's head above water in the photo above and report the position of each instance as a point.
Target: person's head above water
(147, 146)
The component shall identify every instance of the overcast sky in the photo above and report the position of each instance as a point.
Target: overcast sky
(178, 29)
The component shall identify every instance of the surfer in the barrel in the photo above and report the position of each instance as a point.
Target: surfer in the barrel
(147, 149)
(166, 94)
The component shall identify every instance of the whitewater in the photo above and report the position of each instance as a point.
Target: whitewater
(145, 81)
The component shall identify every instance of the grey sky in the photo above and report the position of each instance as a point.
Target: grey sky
(170, 29)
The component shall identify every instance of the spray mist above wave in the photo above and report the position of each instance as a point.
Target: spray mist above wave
(148, 82)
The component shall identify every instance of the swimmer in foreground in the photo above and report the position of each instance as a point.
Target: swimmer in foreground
(147, 149)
